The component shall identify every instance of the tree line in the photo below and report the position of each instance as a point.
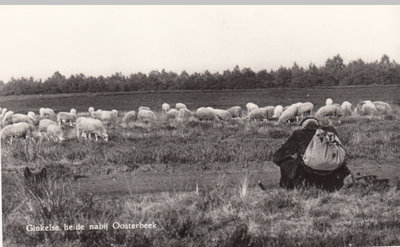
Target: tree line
(333, 73)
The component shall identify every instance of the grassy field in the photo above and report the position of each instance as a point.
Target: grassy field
(197, 181)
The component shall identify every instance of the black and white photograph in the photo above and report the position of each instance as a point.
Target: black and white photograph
(200, 125)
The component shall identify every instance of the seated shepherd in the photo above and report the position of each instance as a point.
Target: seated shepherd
(312, 156)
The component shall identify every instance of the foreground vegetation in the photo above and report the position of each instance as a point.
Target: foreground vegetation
(227, 215)
(218, 212)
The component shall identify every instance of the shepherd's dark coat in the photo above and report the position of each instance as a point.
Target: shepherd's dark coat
(293, 171)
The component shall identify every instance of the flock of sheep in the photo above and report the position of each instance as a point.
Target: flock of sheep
(66, 125)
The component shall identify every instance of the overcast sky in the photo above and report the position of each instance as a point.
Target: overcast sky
(101, 40)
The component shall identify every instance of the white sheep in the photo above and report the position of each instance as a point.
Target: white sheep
(346, 108)
(203, 113)
(165, 108)
(325, 111)
(305, 109)
(328, 101)
(55, 133)
(289, 113)
(144, 108)
(146, 116)
(44, 123)
(17, 130)
(32, 115)
(269, 112)
(46, 113)
(91, 109)
(7, 118)
(65, 117)
(366, 107)
(277, 111)
(223, 114)
(172, 114)
(22, 118)
(210, 108)
(257, 114)
(88, 126)
(382, 107)
(235, 111)
(129, 118)
(3, 111)
(251, 106)
(69, 132)
(179, 106)
(339, 111)
(95, 114)
(184, 113)
(109, 117)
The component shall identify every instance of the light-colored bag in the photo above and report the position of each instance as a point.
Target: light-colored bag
(325, 152)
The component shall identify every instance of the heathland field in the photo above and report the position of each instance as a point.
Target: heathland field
(197, 181)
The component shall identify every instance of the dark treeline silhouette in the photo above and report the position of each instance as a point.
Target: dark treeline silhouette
(333, 73)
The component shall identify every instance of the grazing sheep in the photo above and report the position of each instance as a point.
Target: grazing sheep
(55, 133)
(288, 114)
(31, 114)
(21, 118)
(325, 111)
(251, 106)
(329, 101)
(305, 109)
(203, 113)
(144, 108)
(69, 132)
(222, 114)
(95, 114)
(382, 107)
(3, 111)
(146, 116)
(129, 118)
(277, 111)
(91, 109)
(165, 108)
(7, 118)
(339, 111)
(46, 113)
(184, 113)
(269, 112)
(44, 123)
(346, 108)
(366, 107)
(179, 106)
(172, 114)
(235, 111)
(109, 117)
(17, 130)
(88, 126)
(257, 114)
(65, 117)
